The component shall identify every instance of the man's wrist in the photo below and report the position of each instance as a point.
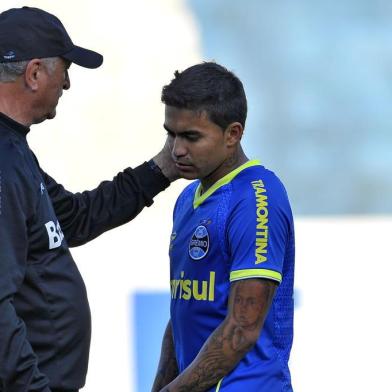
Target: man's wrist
(154, 167)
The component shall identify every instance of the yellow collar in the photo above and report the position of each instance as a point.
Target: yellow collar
(199, 199)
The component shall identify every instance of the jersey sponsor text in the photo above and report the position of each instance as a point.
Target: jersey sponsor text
(262, 222)
(188, 289)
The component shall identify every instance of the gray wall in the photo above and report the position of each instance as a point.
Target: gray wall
(318, 77)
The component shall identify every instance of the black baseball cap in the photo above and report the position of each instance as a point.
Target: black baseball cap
(27, 33)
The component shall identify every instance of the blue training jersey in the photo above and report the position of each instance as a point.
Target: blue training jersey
(240, 228)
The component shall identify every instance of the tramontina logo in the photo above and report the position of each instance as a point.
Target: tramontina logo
(199, 244)
(9, 55)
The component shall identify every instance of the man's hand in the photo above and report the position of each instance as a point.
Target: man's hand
(165, 162)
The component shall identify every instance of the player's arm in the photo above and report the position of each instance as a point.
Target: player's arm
(248, 306)
(167, 368)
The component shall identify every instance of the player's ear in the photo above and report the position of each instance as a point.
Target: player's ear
(233, 133)
(33, 74)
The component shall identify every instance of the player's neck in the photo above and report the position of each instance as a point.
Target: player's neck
(235, 160)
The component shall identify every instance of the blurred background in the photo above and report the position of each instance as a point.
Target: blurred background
(318, 77)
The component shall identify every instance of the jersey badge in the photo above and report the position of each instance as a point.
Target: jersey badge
(199, 243)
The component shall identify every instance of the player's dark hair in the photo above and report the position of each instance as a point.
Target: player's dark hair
(211, 88)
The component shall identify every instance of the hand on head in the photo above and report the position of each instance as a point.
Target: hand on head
(165, 162)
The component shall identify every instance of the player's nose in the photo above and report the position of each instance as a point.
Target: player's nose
(178, 148)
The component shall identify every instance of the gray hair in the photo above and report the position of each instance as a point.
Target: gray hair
(9, 72)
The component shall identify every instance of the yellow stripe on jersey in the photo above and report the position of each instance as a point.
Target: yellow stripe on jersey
(218, 385)
(199, 199)
(255, 273)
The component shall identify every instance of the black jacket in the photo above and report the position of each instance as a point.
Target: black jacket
(44, 311)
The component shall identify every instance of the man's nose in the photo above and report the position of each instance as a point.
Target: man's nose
(67, 82)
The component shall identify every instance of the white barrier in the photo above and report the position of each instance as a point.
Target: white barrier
(342, 320)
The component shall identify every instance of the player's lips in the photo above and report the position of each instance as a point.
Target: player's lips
(183, 166)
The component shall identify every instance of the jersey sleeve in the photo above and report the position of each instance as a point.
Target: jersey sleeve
(84, 216)
(258, 232)
(18, 363)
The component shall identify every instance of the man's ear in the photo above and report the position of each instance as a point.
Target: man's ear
(234, 133)
(33, 74)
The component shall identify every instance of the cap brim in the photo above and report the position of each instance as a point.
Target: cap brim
(84, 57)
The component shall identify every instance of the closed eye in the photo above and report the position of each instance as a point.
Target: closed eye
(192, 137)
(170, 133)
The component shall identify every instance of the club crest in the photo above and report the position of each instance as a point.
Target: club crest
(199, 244)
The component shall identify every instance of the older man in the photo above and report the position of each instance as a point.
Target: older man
(44, 311)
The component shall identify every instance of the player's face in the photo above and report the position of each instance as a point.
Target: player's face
(199, 146)
(53, 82)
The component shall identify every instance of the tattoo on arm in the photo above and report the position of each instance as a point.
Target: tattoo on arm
(248, 305)
(167, 368)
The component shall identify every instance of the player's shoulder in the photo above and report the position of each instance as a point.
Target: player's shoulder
(186, 197)
(256, 175)
(189, 190)
(256, 180)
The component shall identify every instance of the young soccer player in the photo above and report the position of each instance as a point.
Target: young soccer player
(231, 249)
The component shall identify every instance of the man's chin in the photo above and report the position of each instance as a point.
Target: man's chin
(51, 115)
